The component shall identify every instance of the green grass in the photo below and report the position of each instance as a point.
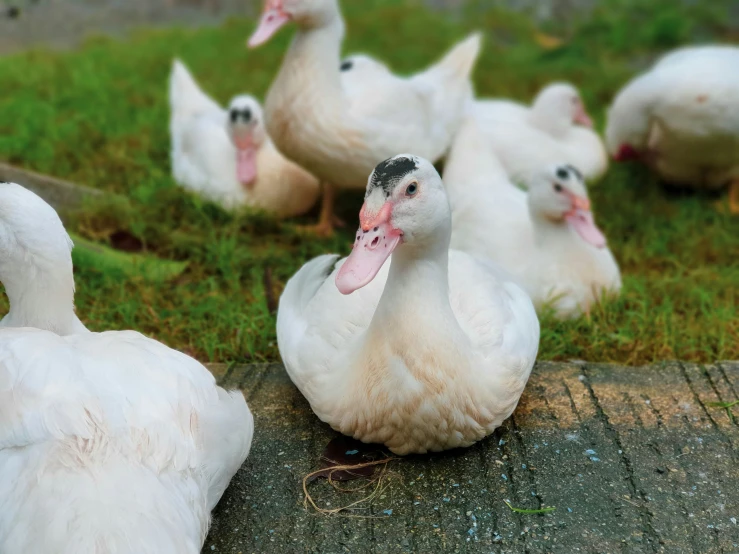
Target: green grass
(99, 116)
(545, 510)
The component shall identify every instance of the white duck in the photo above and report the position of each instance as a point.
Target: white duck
(226, 155)
(434, 351)
(682, 119)
(546, 238)
(340, 132)
(109, 442)
(556, 128)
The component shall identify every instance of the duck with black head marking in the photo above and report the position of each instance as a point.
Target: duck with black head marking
(406, 342)
(389, 173)
(546, 237)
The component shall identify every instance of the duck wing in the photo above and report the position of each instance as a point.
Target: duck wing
(104, 431)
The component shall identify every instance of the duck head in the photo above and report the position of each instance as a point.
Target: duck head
(35, 262)
(558, 194)
(31, 234)
(405, 204)
(560, 106)
(305, 13)
(246, 129)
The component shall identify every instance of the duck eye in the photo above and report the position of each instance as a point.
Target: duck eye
(557, 187)
(411, 189)
(234, 115)
(562, 173)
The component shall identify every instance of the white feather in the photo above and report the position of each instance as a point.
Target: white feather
(109, 442)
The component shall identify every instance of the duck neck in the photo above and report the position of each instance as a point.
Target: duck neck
(42, 299)
(316, 52)
(544, 120)
(550, 233)
(416, 294)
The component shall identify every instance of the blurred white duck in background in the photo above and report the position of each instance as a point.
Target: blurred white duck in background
(226, 155)
(340, 132)
(427, 352)
(681, 118)
(360, 71)
(546, 238)
(556, 128)
(109, 442)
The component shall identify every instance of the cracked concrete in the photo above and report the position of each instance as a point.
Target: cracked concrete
(634, 460)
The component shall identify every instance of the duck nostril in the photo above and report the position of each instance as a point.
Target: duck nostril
(375, 242)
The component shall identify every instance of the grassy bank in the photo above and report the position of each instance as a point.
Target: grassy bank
(99, 116)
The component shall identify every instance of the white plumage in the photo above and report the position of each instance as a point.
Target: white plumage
(434, 352)
(110, 443)
(554, 129)
(205, 156)
(546, 238)
(682, 118)
(339, 133)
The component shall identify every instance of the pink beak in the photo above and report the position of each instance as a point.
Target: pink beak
(375, 241)
(272, 19)
(580, 218)
(246, 166)
(626, 152)
(246, 158)
(580, 203)
(582, 117)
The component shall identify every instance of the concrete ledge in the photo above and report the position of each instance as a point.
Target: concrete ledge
(634, 460)
(62, 195)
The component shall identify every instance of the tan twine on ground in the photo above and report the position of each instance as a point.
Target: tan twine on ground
(381, 482)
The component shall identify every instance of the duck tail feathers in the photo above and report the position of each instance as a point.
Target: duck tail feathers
(448, 89)
(461, 59)
(185, 96)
